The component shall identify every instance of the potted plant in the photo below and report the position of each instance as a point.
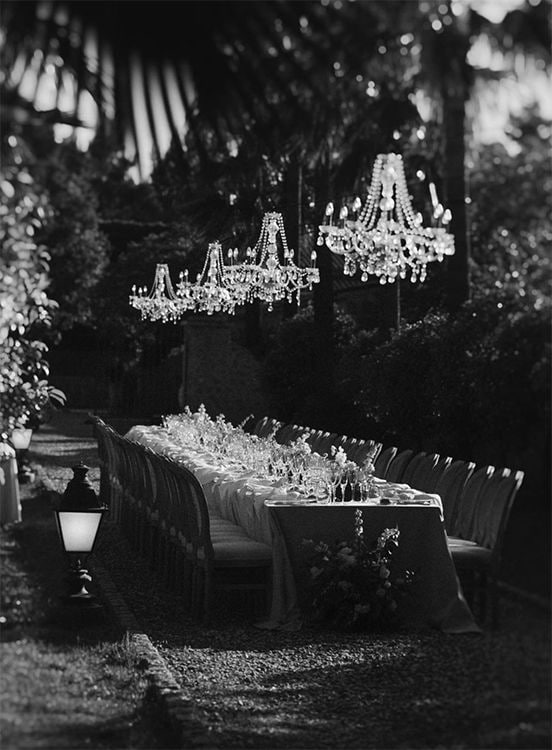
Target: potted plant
(26, 397)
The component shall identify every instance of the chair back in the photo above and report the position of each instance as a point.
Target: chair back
(270, 427)
(396, 467)
(419, 470)
(151, 482)
(260, 425)
(435, 475)
(365, 449)
(102, 434)
(283, 434)
(383, 460)
(462, 522)
(315, 440)
(324, 443)
(350, 446)
(450, 487)
(193, 517)
(297, 431)
(248, 424)
(492, 510)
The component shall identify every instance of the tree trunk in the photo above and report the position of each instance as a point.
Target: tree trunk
(455, 91)
(323, 300)
(293, 218)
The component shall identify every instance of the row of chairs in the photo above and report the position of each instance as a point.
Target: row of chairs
(476, 502)
(321, 442)
(161, 508)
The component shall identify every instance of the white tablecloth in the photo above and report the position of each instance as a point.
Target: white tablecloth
(281, 520)
(10, 505)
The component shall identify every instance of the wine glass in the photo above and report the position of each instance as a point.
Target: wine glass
(343, 482)
(353, 477)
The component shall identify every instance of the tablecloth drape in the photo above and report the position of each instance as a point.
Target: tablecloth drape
(10, 505)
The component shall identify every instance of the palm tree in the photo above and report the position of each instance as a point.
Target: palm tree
(141, 73)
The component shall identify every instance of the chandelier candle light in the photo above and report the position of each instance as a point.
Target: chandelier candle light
(268, 279)
(385, 238)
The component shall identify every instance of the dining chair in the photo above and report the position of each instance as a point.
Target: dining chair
(249, 423)
(220, 552)
(299, 431)
(165, 528)
(270, 427)
(333, 440)
(99, 429)
(461, 520)
(260, 426)
(122, 481)
(172, 506)
(110, 470)
(134, 490)
(151, 531)
(364, 449)
(315, 440)
(397, 465)
(419, 469)
(383, 460)
(477, 550)
(450, 487)
(324, 444)
(436, 473)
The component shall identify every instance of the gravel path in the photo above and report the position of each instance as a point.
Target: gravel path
(314, 688)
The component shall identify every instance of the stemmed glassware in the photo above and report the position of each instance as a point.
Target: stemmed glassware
(293, 467)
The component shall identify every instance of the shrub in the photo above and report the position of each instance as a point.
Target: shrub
(473, 386)
(289, 372)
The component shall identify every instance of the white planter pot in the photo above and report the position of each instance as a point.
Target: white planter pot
(21, 438)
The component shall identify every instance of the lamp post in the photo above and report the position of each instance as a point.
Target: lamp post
(78, 519)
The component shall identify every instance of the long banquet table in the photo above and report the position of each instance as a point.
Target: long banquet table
(282, 519)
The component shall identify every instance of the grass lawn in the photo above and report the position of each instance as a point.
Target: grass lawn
(68, 680)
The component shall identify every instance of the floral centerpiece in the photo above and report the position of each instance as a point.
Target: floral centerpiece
(353, 584)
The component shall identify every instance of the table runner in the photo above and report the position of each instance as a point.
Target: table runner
(268, 514)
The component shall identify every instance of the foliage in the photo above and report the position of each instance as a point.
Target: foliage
(24, 270)
(470, 384)
(78, 249)
(289, 369)
(118, 326)
(26, 397)
(25, 393)
(352, 583)
(511, 225)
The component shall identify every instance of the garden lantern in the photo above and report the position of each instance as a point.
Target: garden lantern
(78, 519)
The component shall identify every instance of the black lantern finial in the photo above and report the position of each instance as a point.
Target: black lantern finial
(79, 493)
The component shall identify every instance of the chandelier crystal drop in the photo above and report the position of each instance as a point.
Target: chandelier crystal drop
(267, 278)
(385, 238)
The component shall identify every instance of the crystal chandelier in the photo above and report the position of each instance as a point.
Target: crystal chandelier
(385, 238)
(161, 303)
(263, 275)
(212, 291)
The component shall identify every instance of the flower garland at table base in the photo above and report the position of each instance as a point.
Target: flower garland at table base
(352, 584)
